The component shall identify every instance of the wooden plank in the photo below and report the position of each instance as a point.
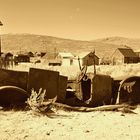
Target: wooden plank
(45, 79)
(101, 89)
(13, 78)
(62, 88)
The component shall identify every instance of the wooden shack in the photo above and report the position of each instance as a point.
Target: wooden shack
(6, 60)
(22, 58)
(124, 55)
(7, 56)
(138, 54)
(88, 58)
(31, 54)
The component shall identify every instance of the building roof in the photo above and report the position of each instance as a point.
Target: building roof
(49, 55)
(83, 54)
(22, 55)
(66, 54)
(127, 52)
(6, 54)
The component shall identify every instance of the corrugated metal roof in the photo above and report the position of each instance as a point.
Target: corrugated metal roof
(126, 52)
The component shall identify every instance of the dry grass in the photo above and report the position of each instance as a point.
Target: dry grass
(72, 71)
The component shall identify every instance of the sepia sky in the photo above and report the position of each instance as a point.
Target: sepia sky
(74, 19)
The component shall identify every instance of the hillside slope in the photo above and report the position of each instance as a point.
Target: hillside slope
(30, 42)
(131, 42)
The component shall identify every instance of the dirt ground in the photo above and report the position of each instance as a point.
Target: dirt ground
(19, 125)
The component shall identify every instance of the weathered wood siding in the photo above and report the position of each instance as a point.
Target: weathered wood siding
(13, 78)
(90, 59)
(117, 58)
(45, 79)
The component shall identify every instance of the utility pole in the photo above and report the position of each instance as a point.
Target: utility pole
(0, 38)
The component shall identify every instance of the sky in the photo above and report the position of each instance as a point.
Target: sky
(73, 19)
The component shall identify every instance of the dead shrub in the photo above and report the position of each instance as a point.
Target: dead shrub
(37, 102)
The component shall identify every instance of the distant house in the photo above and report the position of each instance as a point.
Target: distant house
(105, 61)
(66, 58)
(50, 56)
(138, 54)
(37, 54)
(88, 58)
(50, 59)
(7, 56)
(6, 60)
(22, 58)
(42, 54)
(124, 55)
(31, 54)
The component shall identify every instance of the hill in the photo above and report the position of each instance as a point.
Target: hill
(31, 42)
(131, 42)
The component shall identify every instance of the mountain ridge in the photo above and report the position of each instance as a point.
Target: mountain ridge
(32, 42)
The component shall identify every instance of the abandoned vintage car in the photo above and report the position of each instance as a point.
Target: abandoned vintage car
(88, 89)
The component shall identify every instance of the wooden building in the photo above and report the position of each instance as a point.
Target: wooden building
(22, 58)
(6, 60)
(88, 58)
(31, 54)
(7, 56)
(138, 54)
(50, 59)
(66, 58)
(124, 55)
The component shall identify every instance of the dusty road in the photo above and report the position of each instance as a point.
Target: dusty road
(70, 125)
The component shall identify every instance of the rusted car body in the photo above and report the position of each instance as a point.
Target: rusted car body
(89, 90)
